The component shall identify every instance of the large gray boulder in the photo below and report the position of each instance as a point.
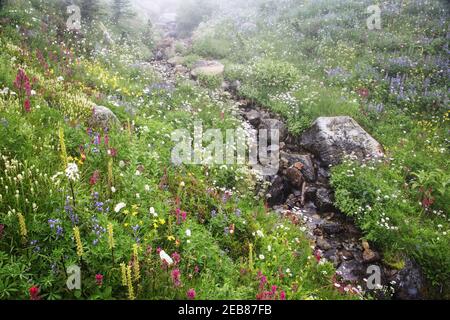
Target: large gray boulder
(331, 138)
(102, 117)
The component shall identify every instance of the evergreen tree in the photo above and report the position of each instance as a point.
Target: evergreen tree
(2, 4)
(121, 9)
(90, 10)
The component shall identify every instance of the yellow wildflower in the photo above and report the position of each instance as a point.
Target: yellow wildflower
(22, 227)
(123, 270)
(111, 236)
(250, 256)
(76, 234)
(110, 174)
(136, 269)
(130, 284)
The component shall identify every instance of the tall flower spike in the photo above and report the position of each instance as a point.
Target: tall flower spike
(130, 284)
(136, 267)
(76, 234)
(111, 236)
(250, 256)
(123, 271)
(110, 174)
(22, 227)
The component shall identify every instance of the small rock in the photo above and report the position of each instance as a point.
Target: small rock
(295, 177)
(310, 193)
(324, 200)
(332, 228)
(273, 124)
(351, 270)
(323, 244)
(254, 117)
(345, 255)
(276, 193)
(409, 281)
(365, 245)
(370, 256)
(308, 170)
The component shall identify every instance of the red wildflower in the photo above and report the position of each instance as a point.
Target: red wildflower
(99, 279)
(27, 105)
(34, 293)
(317, 254)
(112, 152)
(176, 277)
(191, 294)
(176, 258)
(282, 295)
(22, 83)
(94, 178)
(262, 281)
(363, 92)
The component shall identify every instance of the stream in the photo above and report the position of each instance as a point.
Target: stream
(301, 192)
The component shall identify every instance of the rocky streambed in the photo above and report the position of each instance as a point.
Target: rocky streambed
(301, 188)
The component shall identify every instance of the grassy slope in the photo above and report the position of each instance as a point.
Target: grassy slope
(38, 213)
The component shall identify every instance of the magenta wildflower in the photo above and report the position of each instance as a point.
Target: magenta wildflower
(191, 294)
(176, 277)
(99, 279)
(176, 258)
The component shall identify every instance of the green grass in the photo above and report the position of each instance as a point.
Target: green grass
(130, 164)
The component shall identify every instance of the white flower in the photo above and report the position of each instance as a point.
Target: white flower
(147, 187)
(188, 232)
(113, 190)
(60, 78)
(269, 248)
(119, 207)
(137, 173)
(121, 163)
(72, 172)
(261, 257)
(33, 93)
(165, 257)
(152, 212)
(260, 234)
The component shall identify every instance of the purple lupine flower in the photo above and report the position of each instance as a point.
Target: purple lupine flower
(70, 212)
(55, 224)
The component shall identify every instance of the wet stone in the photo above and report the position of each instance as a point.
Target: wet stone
(351, 270)
(323, 244)
(332, 228)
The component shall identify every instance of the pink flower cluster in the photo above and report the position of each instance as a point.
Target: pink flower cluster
(272, 294)
(22, 83)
